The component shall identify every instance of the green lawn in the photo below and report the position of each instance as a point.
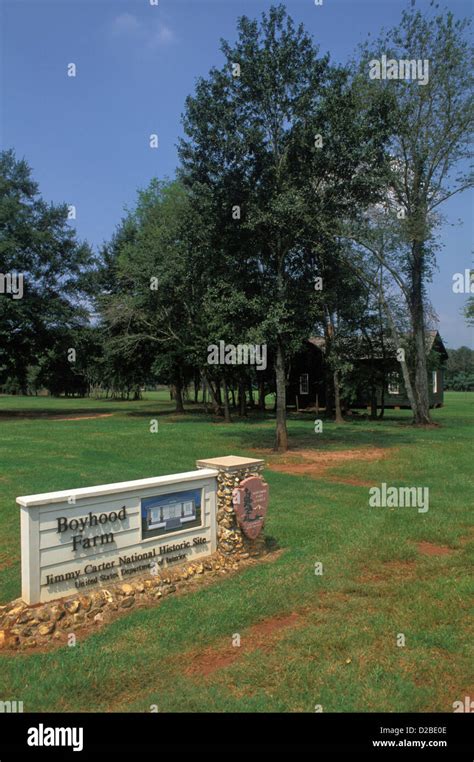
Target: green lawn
(340, 650)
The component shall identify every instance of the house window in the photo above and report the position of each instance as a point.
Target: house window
(394, 384)
(435, 382)
(171, 512)
(304, 383)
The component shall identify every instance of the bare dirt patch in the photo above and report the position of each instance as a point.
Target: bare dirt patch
(467, 538)
(351, 480)
(44, 415)
(316, 463)
(84, 417)
(430, 549)
(388, 572)
(6, 561)
(260, 636)
(199, 582)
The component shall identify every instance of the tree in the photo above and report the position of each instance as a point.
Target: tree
(460, 369)
(147, 307)
(253, 141)
(469, 311)
(37, 243)
(430, 143)
(469, 308)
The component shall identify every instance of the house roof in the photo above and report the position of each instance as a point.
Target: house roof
(318, 341)
(357, 344)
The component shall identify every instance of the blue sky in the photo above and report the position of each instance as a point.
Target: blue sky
(86, 138)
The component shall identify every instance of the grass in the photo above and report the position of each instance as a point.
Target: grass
(343, 652)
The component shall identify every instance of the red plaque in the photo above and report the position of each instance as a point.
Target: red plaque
(250, 501)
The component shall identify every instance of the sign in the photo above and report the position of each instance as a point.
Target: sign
(250, 501)
(170, 513)
(74, 540)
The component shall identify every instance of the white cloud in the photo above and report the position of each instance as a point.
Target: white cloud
(154, 35)
(126, 23)
(163, 34)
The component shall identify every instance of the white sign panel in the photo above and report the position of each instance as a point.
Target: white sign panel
(75, 540)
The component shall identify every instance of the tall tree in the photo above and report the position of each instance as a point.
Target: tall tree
(431, 130)
(469, 307)
(253, 138)
(147, 304)
(37, 243)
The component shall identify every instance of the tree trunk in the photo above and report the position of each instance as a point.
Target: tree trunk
(422, 412)
(403, 364)
(281, 440)
(242, 400)
(422, 397)
(178, 391)
(227, 417)
(382, 398)
(373, 377)
(373, 402)
(261, 395)
(382, 344)
(328, 391)
(251, 402)
(214, 397)
(337, 398)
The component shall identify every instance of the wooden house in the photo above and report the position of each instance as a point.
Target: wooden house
(374, 377)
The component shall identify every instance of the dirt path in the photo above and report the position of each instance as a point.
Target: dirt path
(262, 636)
(84, 417)
(317, 463)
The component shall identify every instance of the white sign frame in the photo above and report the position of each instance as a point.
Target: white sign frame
(48, 554)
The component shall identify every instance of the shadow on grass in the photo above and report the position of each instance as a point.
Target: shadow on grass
(251, 432)
(264, 440)
(110, 407)
(254, 431)
(53, 413)
(354, 434)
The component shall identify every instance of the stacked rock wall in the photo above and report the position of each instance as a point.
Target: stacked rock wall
(23, 626)
(230, 538)
(26, 627)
